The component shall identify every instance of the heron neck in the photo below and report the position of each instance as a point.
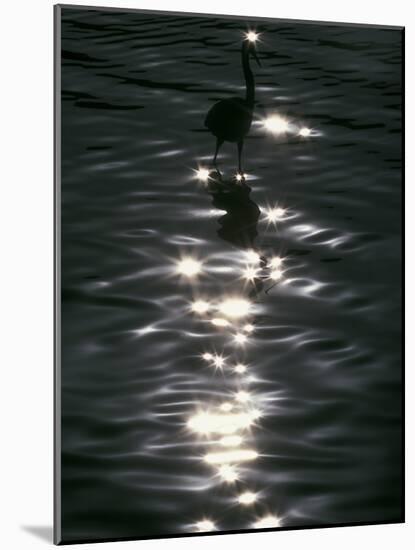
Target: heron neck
(249, 77)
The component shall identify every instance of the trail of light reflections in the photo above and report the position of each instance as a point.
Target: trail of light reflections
(240, 338)
(304, 132)
(189, 267)
(202, 174)
(231, 441)
(205, 525)
(274, 215)
(226, 407)
(219, 361)
(267, 522)
(220, 322)
(235, 307)
(252, 256)
(250, 273)
(243, 396)
(231, 457)
(276, 124)
(228, 473)
(216, 360)
(276, 262)
(275, 274)
(247, 498)
(206, 423)
(240, 368)
(200, 306)
(249, 328)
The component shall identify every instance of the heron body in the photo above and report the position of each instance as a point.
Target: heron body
(230, 119)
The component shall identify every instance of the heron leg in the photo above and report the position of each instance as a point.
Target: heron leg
(219, 143)
(240, 146)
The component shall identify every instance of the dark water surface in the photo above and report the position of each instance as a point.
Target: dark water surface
(322, 389)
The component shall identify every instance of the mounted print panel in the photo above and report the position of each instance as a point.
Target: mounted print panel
(228, 274)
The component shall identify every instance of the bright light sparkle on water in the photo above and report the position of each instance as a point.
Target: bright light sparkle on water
(189, 267)
(276, 124)
(207, 356)
(226, 407)
(224, 424)
(250, 273)
(200, 306)
(249, 328)
(220, 322)
(240, 369)
(304, 132)
(253, 256)
(205, 525)
(228, 473)
(274, 214)
(229, 457)
(267, 522)
(247, 498)
(276, 261)
(275, 274)
(231, 440)
(243, 396)
(235, 307)
(252, 36)
(240, 338)
(202, 174)
(219, 361)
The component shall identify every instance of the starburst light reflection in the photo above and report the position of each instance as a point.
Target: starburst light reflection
(276, 124)
(200, 306)
(275, 274)
(274, 215)
(202, 174)
(235, 307)
(240, 368)
(247, 498)
(228, 473)
(240, 338)
(189, 267)
(252, 256)
(252, 36)
(243, 396)
(304, 132)
(250, 273)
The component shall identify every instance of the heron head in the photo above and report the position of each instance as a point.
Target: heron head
(251, 38)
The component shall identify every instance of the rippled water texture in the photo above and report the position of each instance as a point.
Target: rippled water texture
(161, 433)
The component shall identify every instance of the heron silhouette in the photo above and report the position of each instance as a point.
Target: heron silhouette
(230, 119)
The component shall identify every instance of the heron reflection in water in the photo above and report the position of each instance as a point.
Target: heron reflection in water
(230, 119)
(239, 226)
